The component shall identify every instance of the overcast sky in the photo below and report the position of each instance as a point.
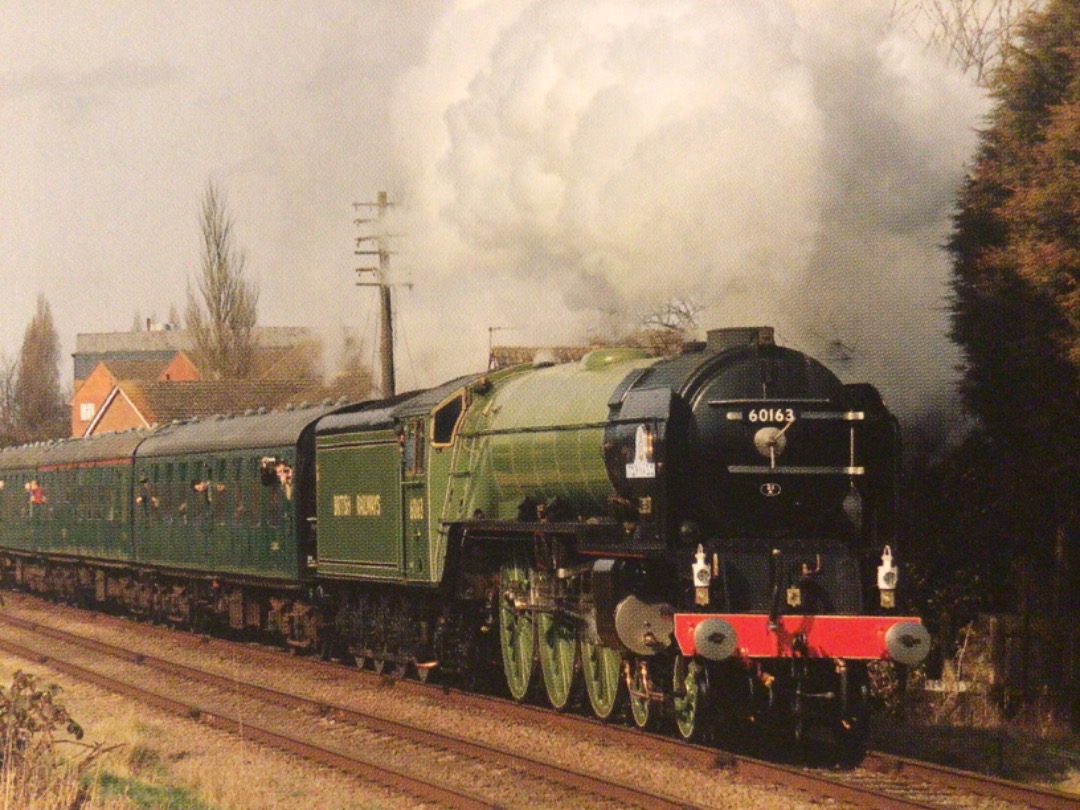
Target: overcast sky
(554, 162)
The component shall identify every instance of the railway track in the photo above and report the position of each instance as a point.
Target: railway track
(413, 781)
(883, 781)
(889, 765)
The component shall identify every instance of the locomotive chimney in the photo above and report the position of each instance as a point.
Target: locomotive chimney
(720, 340)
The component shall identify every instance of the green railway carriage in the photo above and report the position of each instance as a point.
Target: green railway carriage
(229, 496)
(70, 498)
(18, 468)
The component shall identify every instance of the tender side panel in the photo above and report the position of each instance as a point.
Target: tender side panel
(359, 495)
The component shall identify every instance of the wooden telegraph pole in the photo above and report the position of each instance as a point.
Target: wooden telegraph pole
(380, 238)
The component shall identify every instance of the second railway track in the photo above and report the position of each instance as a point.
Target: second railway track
(529, 778)
(885, 782)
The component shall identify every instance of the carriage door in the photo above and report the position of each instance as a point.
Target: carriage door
(414, 499)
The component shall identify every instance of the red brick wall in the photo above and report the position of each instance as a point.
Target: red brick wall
(180, 369)
(120, 415)
(93, 391)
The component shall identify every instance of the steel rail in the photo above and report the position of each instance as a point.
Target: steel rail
(989, 786)
(711, 759)
(595, 784)
(399, 780)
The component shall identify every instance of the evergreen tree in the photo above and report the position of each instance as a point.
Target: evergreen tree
(1016, 301)
(40, 410)
(222, 315)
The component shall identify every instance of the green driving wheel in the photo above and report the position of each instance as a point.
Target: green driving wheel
(689, 698)
(517, 634)
(602, 670)
(556, 640)
(642, 707)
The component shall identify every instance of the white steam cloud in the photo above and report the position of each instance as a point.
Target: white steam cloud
(791, 164)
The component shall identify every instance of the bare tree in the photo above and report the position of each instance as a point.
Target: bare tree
(667, 328)
(674, 315)
(222, 314)
(354, 380)
(976, 34)
(663, 330)
(40, 409)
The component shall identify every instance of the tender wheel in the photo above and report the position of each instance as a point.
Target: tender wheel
(690, 700)
(556, 641)
(643, 709)
(602, 670)
(517, 633)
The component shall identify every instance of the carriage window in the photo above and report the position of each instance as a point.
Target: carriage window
(256, 489)
(146, 495)
(111, 514)
(444, 423)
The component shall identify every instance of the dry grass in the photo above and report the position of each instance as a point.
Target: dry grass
(156, 762)
(45, 766)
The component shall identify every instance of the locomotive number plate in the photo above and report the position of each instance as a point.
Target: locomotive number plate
(769, 415)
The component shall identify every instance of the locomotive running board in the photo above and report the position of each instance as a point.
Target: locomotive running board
(859, 637)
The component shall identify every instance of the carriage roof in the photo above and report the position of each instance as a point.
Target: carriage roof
(228, 432)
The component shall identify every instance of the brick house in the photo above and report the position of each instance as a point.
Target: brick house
(140, 404)
(136, 379)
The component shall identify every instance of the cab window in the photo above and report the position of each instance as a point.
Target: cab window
(445, 420)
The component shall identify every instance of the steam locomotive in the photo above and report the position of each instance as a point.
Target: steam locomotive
(706, 538)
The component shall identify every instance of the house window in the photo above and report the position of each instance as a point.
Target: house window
(86, 411)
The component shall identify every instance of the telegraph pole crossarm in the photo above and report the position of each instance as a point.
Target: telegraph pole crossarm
(381, 273)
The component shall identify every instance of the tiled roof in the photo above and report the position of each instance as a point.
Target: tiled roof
(288, 362)
(166, 401)
(136, 369)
